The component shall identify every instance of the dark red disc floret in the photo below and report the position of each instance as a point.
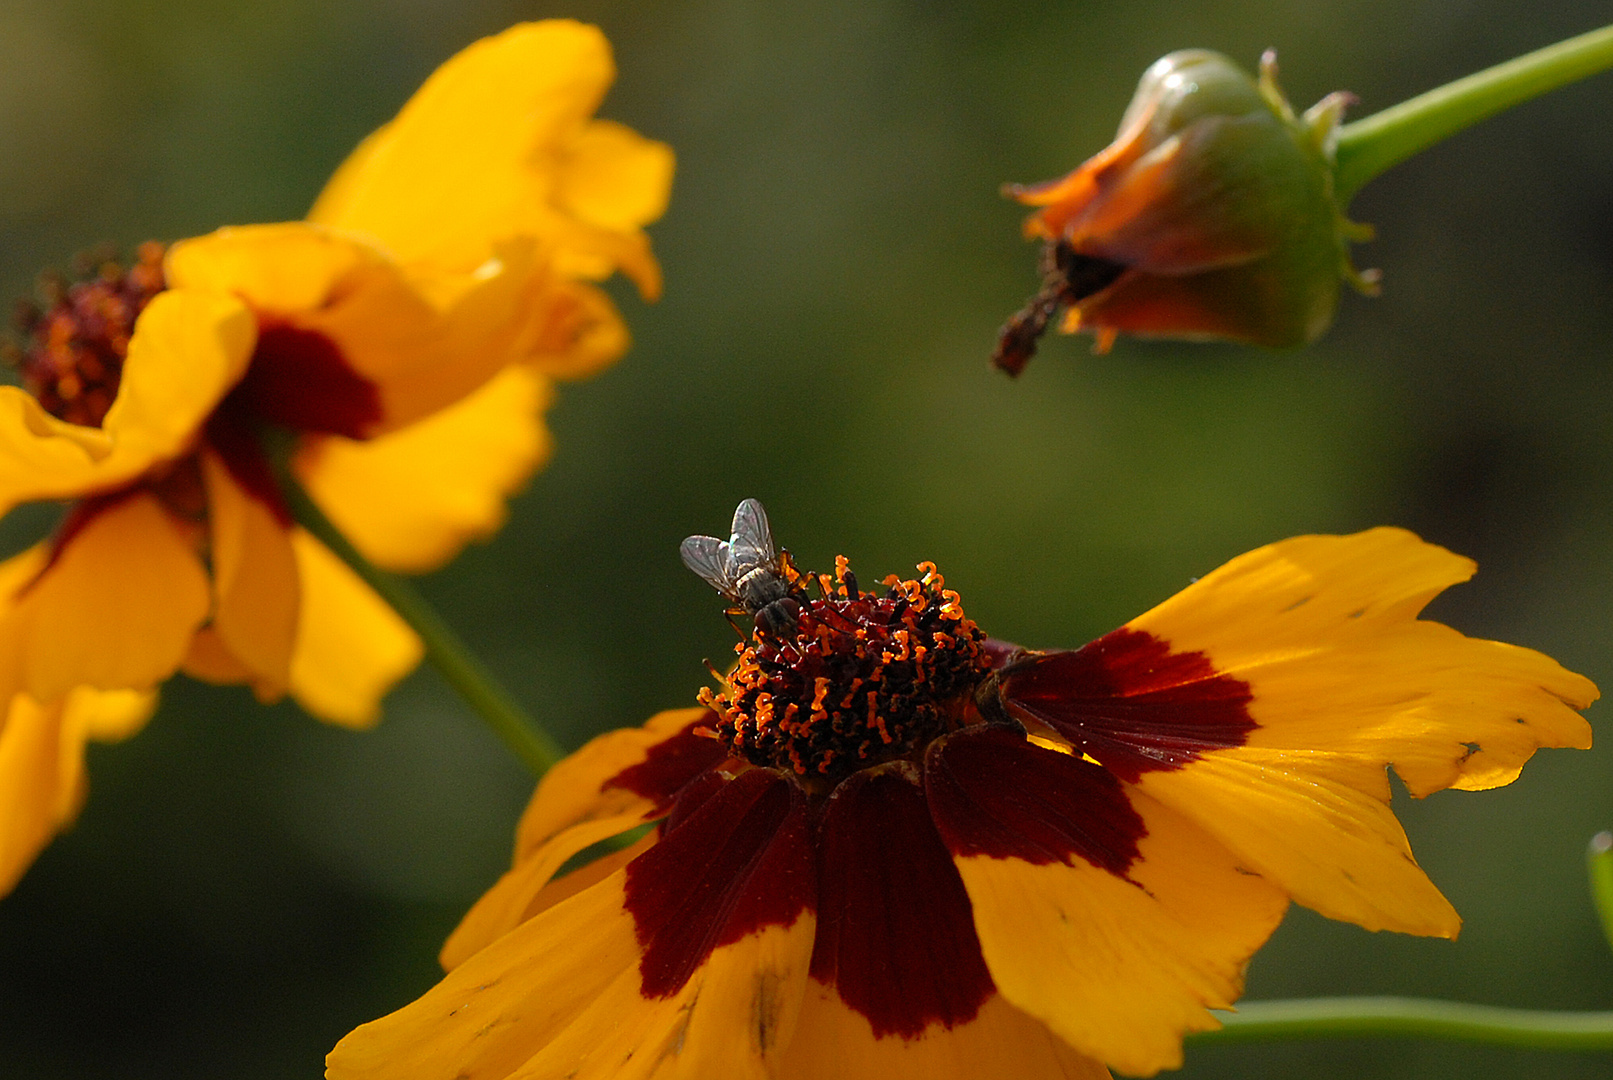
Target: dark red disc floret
(866, 677)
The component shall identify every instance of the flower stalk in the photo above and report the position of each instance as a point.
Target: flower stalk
(1356, 1017)
(462, 669)
(1372, 145)
(1417, 1018)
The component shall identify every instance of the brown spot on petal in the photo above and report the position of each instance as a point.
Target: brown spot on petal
(733, 865)
(1132, 703)
(236, 442)
(299, 379)
(994, 793)
(896, 935)
(670, 765)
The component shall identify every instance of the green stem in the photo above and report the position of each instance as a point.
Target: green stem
(1599, 864)
(1348, 1017)
(447, 653)
(1371, 145)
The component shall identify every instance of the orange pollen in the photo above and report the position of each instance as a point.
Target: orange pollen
(866, 678)
(76, 342)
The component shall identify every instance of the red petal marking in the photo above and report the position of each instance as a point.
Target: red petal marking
(896, 933)
(994, 793)
(232, 435)
(671, 764)
(737, 863)
(300, 379)
(1131, 703)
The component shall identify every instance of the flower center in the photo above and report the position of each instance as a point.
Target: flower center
(863, 679)
(76, 343)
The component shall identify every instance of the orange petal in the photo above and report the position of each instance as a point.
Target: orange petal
(114, 609)
(411, 499)
(255, 585)
(350, 646)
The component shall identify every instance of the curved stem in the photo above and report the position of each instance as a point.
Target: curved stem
(1599, 864)
(447, 653)
(1354, 1017)
(1375, 143)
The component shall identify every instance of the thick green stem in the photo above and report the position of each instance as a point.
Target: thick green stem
(1599, 864)
(447, 653)
(1371, 145)
(1346, 1017)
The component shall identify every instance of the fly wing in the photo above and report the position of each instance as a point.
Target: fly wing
(709, 557)
(752, 542)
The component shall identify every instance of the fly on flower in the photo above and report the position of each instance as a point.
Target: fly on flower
(749, 571)
(891, 847)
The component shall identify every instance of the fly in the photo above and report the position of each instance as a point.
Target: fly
(750, 573)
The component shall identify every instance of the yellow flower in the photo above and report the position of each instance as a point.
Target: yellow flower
(406, 333)
(1211, 216)
(894, 848)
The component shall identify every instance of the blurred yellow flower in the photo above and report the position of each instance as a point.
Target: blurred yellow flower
(406, 334)
(892, 848)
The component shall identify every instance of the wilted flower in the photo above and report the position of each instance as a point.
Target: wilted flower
(405, 335)
(891, 847)
(1211, 216)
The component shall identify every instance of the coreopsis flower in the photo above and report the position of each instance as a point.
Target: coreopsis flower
(1210, 217)
(404, 336)
(890, 846)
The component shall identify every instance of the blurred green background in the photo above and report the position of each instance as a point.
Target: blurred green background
(245, 884)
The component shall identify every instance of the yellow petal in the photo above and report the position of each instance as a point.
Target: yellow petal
(210, 660)
(411, 499)
(255, 586)
(1324, 631)
(575, 332)
(41, 777)
(350, 343)
(115, 608)
(350, 646)
(42, 766)
(514, 897)
(626, 772)
(110, 715)
(833, 1040)
(188, 349)
(1121, 966)
(1302, 820)
(499, 1008)
(473, 156)
(615, 178)
(730, 1019)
